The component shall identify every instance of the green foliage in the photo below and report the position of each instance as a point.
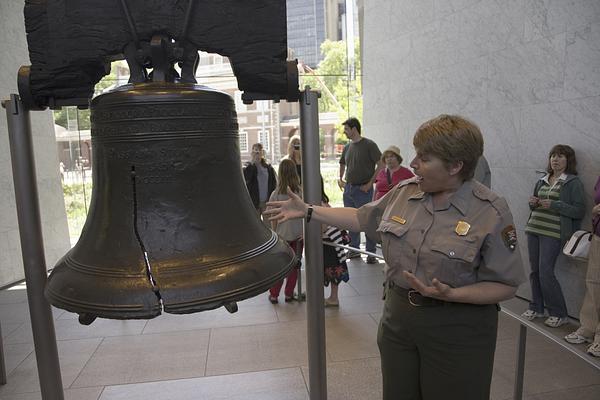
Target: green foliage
(341, 139)
(330, 173)
(73, 118)
(77, 199)
(339, 92)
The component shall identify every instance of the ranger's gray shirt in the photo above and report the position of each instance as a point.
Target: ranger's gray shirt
(471, 239)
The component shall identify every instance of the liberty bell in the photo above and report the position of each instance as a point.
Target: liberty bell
(171, 225)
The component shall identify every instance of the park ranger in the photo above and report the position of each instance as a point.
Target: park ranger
(452, 254)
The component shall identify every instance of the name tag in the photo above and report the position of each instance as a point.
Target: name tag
(398, 219)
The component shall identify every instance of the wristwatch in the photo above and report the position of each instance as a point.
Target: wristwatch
(309, 212)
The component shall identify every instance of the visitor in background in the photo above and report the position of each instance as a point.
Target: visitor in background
(392, 174)
(557, 207)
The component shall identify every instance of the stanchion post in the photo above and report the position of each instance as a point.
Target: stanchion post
(311, 180)
(32, 247)
(520, 368)
(2, 365)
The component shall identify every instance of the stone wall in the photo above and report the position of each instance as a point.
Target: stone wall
(527, 72)
(13, 54)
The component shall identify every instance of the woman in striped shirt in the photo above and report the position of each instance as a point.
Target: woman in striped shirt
(557, 207)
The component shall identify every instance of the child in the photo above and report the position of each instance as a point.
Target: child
(334, 258)
(290, 231)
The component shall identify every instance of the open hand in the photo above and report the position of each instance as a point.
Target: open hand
(292, 208)
(438, 290)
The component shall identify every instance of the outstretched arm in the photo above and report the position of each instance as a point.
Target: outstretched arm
(294, 207)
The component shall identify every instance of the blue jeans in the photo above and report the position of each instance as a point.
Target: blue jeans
(355, 198)
(545, 289)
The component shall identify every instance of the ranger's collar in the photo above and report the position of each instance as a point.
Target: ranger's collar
(461, 199)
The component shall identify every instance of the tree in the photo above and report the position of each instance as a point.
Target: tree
(339, 93)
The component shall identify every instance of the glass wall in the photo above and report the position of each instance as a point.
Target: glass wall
(322, 35)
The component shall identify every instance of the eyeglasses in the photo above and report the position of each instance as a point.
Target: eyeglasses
(296, 146)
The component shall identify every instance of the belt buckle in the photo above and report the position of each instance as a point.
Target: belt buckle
(410, 299)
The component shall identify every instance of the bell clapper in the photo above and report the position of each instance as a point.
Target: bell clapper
(231, 307)
(86, 319)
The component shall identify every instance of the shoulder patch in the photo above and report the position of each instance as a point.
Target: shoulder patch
(509, 237)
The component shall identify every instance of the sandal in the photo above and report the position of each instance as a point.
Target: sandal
(577, 338)
(594, 349)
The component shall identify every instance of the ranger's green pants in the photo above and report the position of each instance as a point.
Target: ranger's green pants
(436, 353)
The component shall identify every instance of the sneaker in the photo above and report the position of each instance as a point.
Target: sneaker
(289, 299)
(594, 349)
(576, 338)
(531, 315)
(555, 322)
(372, 260)
(353, 254)
(273, 300)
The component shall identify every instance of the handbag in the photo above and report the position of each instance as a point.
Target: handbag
(578, 245)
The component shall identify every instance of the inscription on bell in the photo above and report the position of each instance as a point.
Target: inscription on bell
(183, 127)
(149, 180)
(148, 154)
(165, 110)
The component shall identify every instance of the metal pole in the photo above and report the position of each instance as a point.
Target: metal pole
(301, 295)
(2, 365)
(311, 178)
(32, 247)
(520, 370)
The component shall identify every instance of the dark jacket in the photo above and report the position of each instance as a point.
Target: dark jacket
(570, 206)
(251, 178)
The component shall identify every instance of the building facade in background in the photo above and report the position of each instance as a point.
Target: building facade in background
(306, 29)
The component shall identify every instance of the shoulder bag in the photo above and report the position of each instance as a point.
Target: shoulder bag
(578, 245)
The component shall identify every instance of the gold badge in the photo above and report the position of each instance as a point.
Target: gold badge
(399, 220)
(462, 228)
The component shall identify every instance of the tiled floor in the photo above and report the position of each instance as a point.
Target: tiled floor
(259, 353)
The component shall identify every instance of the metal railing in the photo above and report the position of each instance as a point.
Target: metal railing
(2, 364)
(522, 347)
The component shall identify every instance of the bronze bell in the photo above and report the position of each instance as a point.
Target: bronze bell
(171, 225)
